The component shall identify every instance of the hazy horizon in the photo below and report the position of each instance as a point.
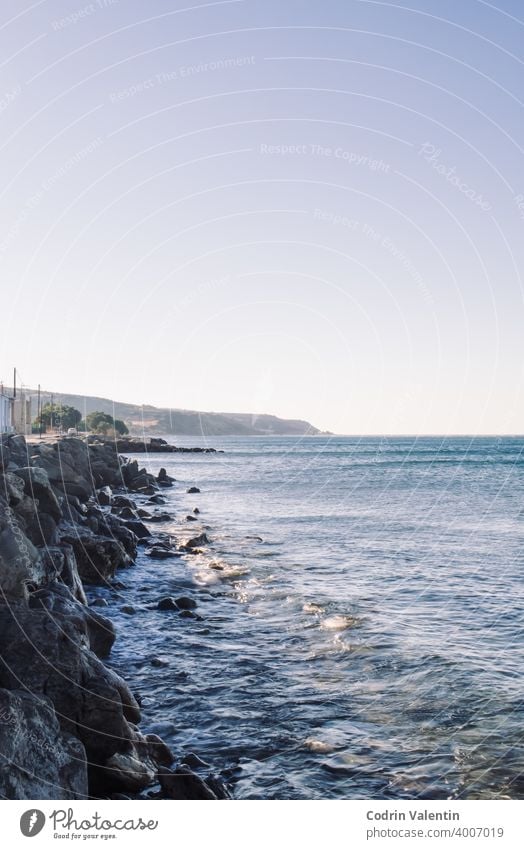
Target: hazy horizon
(314, 212)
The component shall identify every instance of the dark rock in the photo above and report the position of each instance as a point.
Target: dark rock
(194, 762)
(61, 562)
(193, 490)
(167, 603)
(183, 784)
(157, 499)
(49, 654)
(105, 496)
(38, 487)
(160, 517)
(129, 609)
(58, 601)
(99, 602)
(191, 519)
(21, 563)
(128, 513)
(42, 530)
(159, 553)
(185, 603)
(138, 528)
(38, 760)
(196, 511)
(160, 751)
(159, 662)
(195, 542)
(97, 557)
(120, 501)
(188, 614)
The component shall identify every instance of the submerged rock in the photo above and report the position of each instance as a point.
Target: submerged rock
(182, 783)
(185, 603)
(167, 604)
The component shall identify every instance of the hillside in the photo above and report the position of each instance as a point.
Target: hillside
(184, 422)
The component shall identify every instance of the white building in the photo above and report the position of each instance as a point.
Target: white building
(22, 413)
(6, 413)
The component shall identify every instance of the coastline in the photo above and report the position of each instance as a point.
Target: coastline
(73, 515)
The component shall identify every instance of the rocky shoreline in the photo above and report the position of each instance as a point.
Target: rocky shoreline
(72, 513)
(149, 445)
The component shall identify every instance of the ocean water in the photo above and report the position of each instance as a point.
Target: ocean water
(362, 617)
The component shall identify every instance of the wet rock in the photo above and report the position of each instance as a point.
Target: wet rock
(183, 784)
(164, 478)
(196, 511)
(157, 499)
(193, 490)
(128, 513)
(160, 517)
(129, 609)
(144, 514)
(257, 539)
(159, 662)
(138, 528)
(160, 553)
(99, 602)
(160, 751)
(191, 519)
(167, 603)
(195, 542)
(129, 772)
(105, 496)
(38, 760)
(120, 501)
(185, 603)
(188, 614)
(194, 762)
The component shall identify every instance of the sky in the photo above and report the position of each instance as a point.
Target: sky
(314, 210)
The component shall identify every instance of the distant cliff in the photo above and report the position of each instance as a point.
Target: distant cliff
(186, 422)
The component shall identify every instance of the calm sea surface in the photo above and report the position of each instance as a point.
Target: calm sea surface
(369, 644)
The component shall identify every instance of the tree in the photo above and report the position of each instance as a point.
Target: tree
(58, 415)
(98, 422)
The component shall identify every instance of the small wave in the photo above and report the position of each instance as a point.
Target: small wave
(338, 622)
(312, 607)
(320, 747)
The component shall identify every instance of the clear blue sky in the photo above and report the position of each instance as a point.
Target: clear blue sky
(307, 209)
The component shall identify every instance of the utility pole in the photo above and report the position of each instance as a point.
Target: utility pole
(39, 413)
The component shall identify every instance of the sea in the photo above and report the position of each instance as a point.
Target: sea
(360, 630)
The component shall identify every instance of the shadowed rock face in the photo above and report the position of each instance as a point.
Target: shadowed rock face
(37, 759)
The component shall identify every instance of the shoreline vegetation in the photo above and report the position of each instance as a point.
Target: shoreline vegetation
(73, 513)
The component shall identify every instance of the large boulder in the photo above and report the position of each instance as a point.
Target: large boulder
(61, 562)
(37, 759)
(37, 485)
(97, 557)
(57, 599)
(21, 564)
(48, 653)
